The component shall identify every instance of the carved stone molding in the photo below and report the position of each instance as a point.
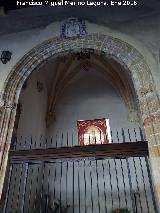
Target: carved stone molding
(1, 102)
(1, 99)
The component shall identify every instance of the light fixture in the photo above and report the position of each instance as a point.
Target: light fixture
(5, 56)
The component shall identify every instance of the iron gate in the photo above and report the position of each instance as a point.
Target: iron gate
(80, 179)
(81, 185)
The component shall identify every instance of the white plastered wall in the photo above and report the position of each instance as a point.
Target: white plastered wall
(32, 126)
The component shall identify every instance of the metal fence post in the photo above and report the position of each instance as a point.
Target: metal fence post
(24, 186)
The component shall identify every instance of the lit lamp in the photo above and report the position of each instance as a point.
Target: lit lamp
(5, 56)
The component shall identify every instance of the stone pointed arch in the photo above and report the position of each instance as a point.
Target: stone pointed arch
(121, 51)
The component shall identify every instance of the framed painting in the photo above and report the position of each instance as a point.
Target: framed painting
(95, 131)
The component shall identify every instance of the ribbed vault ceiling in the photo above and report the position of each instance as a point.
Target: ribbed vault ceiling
(65, 71)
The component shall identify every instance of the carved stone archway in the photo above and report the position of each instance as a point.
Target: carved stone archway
(121, 51)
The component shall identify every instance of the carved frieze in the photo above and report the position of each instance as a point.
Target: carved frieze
(1, 102)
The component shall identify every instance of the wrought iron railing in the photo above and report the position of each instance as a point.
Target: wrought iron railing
(70, 139)
(96, 178)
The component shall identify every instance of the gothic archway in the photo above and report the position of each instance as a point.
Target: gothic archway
(121, 51)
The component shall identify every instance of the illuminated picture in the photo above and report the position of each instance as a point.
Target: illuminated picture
(95, 131)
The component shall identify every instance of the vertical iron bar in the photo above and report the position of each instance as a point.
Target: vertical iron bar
(24, 186)
(51, 141)
(35, 143)
(46, 203)
(117, 183)
(25, 144)
(111, 136)
(15, 144)
(130, 184)
(62, 140)
(19, 187)
(151, 186)
(67, 139)
(73, 176)
(60, 186)
(83, 140)
(66, 175)
(135, 134)
(91, 185)
(135, 202)
(30, 146)
(46, 143)
(72, 140)
(42, 188)
(73, 186)
(30, 189)
(104, 185)
(124, 183)
(13, 194)
(117, 136)
(129, 135)
(8, 188)
(61, 173)
(56, 141)
(55, 176)
(48, 191)
(40, 144)
(20, 143)
(85, 187)
(109, 166)
(137, 185)
(95, 140)
(141, 134)
(34, 207)
(79, 190)
(97, 188)
(66, 183)
(123, 136)
(144, 184)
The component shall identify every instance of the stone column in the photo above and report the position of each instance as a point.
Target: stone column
(152, 129)
(8, 113)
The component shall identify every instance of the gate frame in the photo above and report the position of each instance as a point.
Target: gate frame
(26, 157)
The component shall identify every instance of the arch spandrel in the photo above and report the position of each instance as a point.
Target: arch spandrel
(121, 51)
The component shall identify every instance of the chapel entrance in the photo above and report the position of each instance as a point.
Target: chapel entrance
(72, 178)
